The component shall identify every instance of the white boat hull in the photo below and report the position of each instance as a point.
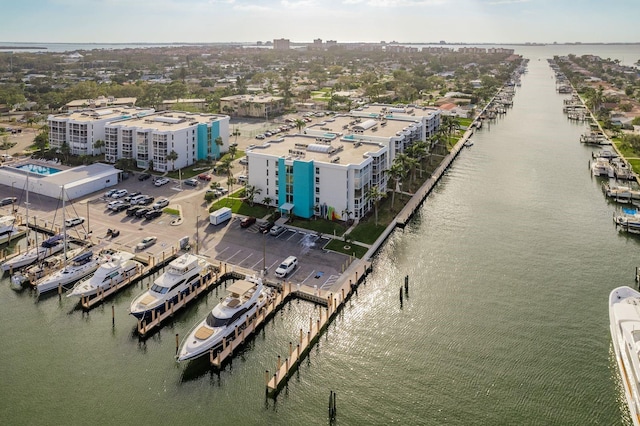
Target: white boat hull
(30, 257)
(624, 319)
(66, 276)
(104, 280)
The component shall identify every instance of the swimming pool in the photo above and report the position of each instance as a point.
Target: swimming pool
(36, 168)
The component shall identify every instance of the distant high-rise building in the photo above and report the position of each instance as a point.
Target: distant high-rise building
(281, 44)
(317, 44)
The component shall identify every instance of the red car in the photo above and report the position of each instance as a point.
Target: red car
(204, 176)
(247, 221)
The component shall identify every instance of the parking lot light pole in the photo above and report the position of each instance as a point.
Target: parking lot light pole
(197, 235)
(264, 253)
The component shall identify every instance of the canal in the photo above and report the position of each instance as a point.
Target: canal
(510, 263)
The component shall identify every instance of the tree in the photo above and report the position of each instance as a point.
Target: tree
(396, 172)
(41, 141)
(99, 144)
(250, 193)
(219, 142)
(267, 200)
(300, 124)
(172, 156)
(374, 195)
(236, 133)
(232, 152)
(65, 149)
(230, 182)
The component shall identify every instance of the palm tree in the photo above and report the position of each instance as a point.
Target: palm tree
(219, 142)
(250, 193)
(172, 156)
(418, 151)
(65, 149)
(267, 200)
(230, 182)
(236, 133)
(99, 144)
(300, 124)
(375, 195)
(397, 173)
(232, 151)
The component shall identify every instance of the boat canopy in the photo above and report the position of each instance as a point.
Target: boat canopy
(84, 257)
(53, 241)
(240, 287)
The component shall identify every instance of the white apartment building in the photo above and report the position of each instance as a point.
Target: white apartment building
(82, 128)
(150, 138)
(257, 106)
(326, 176)
(427, 117)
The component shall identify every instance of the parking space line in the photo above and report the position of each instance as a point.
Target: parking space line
(243, 260)
(256, 264)
(273, 264)
(308, 276)
(292, 235)
(230, 257)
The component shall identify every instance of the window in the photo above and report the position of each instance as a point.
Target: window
(317, 170)
(317, 199)
(317, 179)
(267, 172)
(317, 190)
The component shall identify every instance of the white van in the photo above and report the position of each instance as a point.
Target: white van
(221, 215)
(288, 265)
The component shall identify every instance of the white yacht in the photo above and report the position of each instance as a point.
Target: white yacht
(9, 230)
(244, 299)
(80, 266)
(602, 167)
(624, 318)
(117, 267)
(48, 247)
(181, 276)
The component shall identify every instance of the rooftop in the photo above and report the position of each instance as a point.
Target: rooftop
(397, 111)
(253, 98)
(101, 101)
(108, 113)
(375, 128)
(169, 120)
(318, 149)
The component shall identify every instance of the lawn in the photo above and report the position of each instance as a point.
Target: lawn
(635, 165)
(320, 225)
(347, 248)
(240, 207)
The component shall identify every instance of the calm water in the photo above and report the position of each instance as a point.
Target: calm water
(511, 261)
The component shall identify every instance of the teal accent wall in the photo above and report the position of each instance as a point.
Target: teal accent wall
(303, 188)
(202, 150)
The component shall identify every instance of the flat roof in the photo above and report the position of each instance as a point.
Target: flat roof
(101, 101)
(240, 287)
(345, 126)
(107, 113)
(169, 120)
(252, 98)
(397, 110)
(318, 149)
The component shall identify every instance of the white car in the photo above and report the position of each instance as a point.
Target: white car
(163, 202)
(288, 265)
(119, 193)
(161, 181)
(114, 204)
(70, 223)
(146, 242)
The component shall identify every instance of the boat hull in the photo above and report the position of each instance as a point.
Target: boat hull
(617, 319)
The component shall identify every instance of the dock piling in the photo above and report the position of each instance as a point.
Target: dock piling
(401, 297)
(177, 344)
(113, 316)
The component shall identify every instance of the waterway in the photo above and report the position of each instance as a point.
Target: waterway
(510, 263)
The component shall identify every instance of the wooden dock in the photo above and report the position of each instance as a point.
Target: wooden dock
(88, 302)
(334, 303)
(208, 280)
(251, 325)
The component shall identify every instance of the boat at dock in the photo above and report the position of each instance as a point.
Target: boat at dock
(180, 278)
(619, 193)
(602, 167)
(628, 220)
(9, 230)
(80, 266)
(244, 299)
(47, 248)
(117, 267)
(47, 266)
(624, 319)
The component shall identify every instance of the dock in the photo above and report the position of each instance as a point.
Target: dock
(208, 279)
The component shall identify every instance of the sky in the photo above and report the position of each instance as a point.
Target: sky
(408, 21)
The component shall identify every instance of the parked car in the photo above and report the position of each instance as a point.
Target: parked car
(247, 221)
(146, 200)
(277, 230)
(144, 176)
(146, 242)
(163, 202)
(8, 200)
(119, 193)
(114, 204)
(152, 214)
(191, 182)
(161, 181)
(242, 179)
(70, 223)
(265, 227)
(109, 193)
(141, 212)
(285, 268)
(128, 198)
(204, 176)
(244, 161)
(131, 211)
(260, 136)
(120, 207)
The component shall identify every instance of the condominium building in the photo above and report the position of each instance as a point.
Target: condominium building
(427, 118)
(281, 44)
(81, 129)
(99, 102)
(149, 139)
(326, 176)
(257, 106)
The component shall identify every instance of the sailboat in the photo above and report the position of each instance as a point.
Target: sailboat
(9, 230)
(48, 247)
(82, 265)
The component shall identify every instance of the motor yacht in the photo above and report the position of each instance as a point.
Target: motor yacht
(244, 299)
(47, 248)
(79, 267)
(181, 277)
(117, 267)
(624, 319)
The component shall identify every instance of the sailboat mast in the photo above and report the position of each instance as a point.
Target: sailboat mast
(64, 229)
